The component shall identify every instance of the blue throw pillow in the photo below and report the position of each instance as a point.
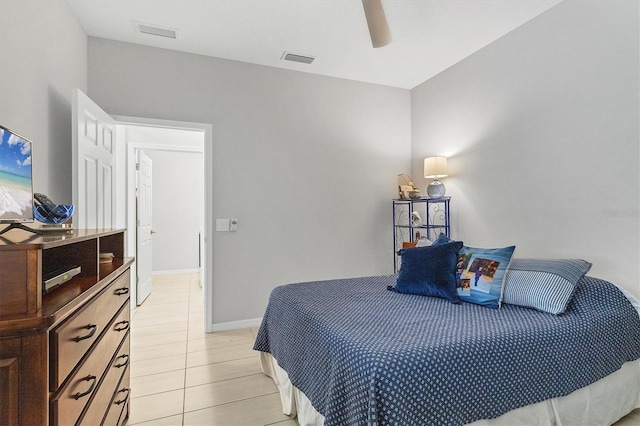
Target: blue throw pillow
(480, 274)
(442, 239)
(543, 284)
(429, 271)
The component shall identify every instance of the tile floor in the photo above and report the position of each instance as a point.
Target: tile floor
(183, 376)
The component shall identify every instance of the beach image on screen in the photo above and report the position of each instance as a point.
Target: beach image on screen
(16, 199)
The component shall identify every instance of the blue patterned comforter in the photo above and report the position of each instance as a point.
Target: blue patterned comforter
(367, 356)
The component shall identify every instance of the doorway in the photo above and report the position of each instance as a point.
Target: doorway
(172, 220)
(167, 139)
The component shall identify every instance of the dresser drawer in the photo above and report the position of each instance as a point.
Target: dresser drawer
(119, 408)
(108, 387)
(71, 340)
(68, 403)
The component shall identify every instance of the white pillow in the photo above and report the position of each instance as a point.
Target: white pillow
(423, 242)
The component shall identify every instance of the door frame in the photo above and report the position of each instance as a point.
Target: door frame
(130, 214)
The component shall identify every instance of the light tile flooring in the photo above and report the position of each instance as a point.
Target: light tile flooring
(183, 376)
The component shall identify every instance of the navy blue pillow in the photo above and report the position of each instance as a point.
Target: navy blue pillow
(429, 271)
(442, 239)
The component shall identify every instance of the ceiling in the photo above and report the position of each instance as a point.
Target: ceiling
(428, 35)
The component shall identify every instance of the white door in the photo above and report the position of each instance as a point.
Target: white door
(144, 226)
(93, 168)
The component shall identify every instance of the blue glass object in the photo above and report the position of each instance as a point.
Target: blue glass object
(53, 214)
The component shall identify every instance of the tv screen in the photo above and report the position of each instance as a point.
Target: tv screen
(16, 180)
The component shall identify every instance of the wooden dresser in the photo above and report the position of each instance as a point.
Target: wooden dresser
(64, 353)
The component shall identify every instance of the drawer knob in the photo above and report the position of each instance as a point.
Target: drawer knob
(121, 291)
(121, 326)
(123, 400)
(91, 327)
(93, 381)
(125, 363)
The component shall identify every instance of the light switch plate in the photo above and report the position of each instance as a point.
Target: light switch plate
(222, 225)
(233, 227)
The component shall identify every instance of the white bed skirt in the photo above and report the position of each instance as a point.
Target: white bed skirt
(601, 403)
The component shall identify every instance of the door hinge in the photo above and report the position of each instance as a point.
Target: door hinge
(137, 166)
(138, 222)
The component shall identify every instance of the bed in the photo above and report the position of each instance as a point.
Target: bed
(351, 352)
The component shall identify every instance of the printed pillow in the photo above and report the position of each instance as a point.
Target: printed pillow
(429, 271)
(480, 274)
(544, 284)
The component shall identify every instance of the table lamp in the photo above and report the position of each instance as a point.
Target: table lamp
(434, 168)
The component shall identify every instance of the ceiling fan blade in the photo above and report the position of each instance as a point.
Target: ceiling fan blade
(377, 22)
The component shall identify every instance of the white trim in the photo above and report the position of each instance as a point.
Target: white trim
(176, 271)
(235, 325)
(207, 149)
(153, 122)
(139, 146)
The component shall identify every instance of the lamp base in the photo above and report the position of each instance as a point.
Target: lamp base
(436, 189)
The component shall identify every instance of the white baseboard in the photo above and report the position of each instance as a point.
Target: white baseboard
(176, 271)
(234, 325)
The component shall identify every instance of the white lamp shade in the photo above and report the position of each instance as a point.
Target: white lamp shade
(435, 167)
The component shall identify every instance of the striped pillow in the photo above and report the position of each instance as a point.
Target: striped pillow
(543, 284)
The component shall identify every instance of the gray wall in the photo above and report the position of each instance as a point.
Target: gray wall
(306, 163)
(44, 57)
(541, 128)
(178, 209)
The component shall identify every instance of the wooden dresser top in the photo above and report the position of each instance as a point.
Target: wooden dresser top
(17, 239)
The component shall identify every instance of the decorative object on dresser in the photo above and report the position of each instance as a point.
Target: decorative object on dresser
(435, 168)
(407, 189)
(415, 220)
(64, 353)
(51, 214)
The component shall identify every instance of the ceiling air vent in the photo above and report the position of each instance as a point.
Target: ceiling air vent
(297, 58)
(156, 31)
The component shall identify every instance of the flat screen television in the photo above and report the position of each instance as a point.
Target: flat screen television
(16, 178)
